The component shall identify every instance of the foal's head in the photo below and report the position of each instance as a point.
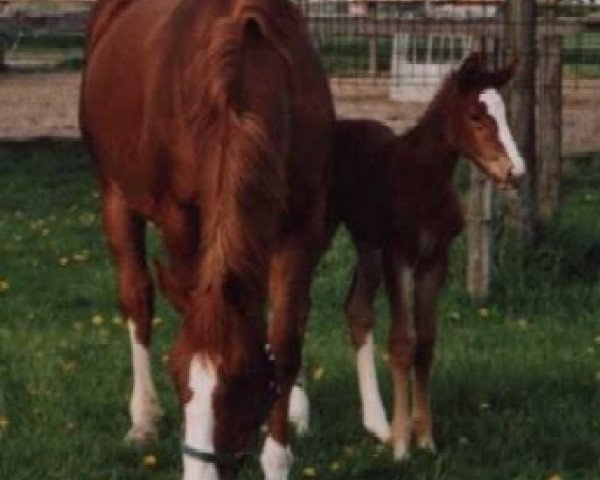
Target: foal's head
(477, 126)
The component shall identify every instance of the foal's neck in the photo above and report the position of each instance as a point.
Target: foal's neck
(434, 153)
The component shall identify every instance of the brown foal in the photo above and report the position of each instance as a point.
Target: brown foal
(395, 195)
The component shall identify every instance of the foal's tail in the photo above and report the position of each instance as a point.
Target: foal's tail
(240, 228)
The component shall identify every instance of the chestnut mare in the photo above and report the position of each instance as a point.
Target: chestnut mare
(396, 197)
(213, 120)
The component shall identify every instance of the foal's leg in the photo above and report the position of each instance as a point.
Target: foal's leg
(399, 285)
(125, 235)
(299, 412)
(289, 288)
(429, 279)
(361, 320)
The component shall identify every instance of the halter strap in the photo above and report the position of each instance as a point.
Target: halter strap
(212, 457)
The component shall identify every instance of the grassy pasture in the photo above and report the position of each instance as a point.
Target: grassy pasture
(516, 383)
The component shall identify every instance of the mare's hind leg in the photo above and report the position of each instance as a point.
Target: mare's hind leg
(125, 233)
(399, 286)
(289, 288)
(361, 320)
(429, 278)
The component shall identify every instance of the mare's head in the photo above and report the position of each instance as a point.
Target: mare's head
(225, 375)
(478, 127)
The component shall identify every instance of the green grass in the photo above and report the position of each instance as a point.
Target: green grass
(516, 393)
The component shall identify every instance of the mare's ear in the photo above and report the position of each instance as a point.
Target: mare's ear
(470, 70)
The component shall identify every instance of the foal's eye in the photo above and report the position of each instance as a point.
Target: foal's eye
(476, 116)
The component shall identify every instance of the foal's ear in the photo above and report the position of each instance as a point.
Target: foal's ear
(499, 78)
(470, 71)
(473, 74)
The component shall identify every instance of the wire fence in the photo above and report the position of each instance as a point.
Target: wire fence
(385, 57)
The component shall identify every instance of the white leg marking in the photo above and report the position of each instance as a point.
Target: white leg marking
(299, 412)
(276, 460)
(374, 418)
(199, 421)
(144, 406)
(496, 108)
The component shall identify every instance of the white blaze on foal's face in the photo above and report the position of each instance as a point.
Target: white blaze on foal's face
(200, 420)
(497, 110)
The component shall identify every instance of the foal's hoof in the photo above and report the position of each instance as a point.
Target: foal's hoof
(141, 436)
(401, 451)
(426, 443)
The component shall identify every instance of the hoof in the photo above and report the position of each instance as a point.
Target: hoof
(379, 427)
(426, 443)
(141, 436)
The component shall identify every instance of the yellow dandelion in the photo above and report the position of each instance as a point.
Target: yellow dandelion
(335, 466)
(309, 472)
(597, 339)
(165, 358)
(69, 367)
(484, 312)
(87, 218)
(70, 426)
(318, 373)
(522, 323)
(149, 460)
(117, 320)
(45, 232)
(349, 450)
(3, 423)
(97, 320)
(454, 316)
(156, 321)
(78, 325)
(555, 476)
(484, 405)
(4, 285)
(385, 357)
(79, 257)
(63, 261)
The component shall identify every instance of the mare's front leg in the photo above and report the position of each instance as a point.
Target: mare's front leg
(361, 320)
(125, 233)
(289, 289)
(180, 230)
(429, 279)
(399, 286)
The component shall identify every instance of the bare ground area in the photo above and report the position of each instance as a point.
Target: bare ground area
(45, 105)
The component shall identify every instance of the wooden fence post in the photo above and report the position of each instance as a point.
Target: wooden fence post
(549, 119)
(521, 43)
(479, 211)
(479, 235)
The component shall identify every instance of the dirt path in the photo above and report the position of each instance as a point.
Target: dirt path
(45, 105)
